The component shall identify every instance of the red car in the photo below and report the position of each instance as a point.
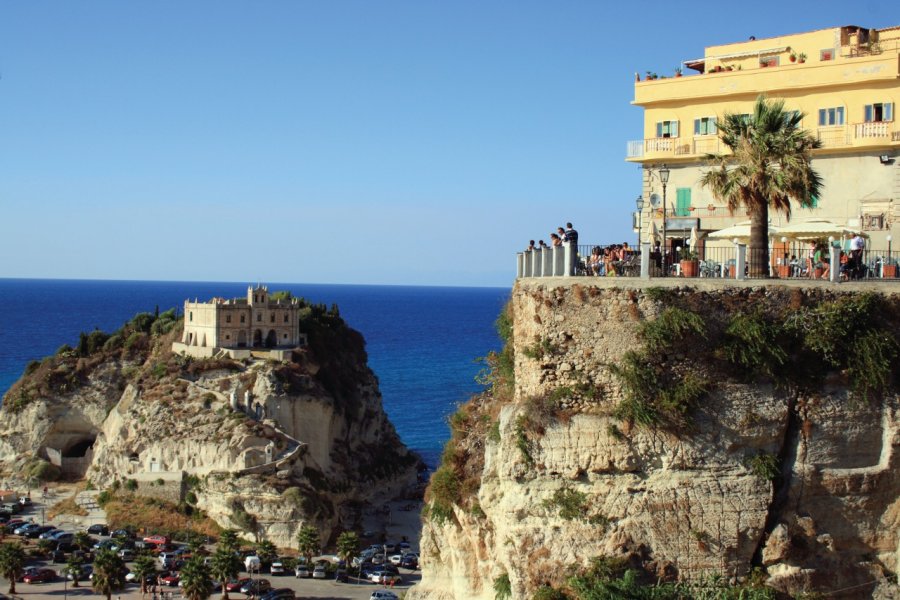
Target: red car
(40, 576)
(170, 579)
(235, 585)
(159, 540)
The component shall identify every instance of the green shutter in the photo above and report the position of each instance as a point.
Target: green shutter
(682, 202)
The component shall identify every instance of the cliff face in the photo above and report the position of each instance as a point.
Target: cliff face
(687, 457)
(259, 445)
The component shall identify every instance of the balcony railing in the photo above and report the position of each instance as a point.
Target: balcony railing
(834, 137)
(880, 129)
(635, 149)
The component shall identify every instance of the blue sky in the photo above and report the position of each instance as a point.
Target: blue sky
(333, 142)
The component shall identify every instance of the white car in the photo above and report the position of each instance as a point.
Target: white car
(395, 559)
(276, 568)
(301, 571)
(319, 572)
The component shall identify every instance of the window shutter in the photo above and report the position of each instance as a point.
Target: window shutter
(840, 115)
(868, 113)
(821, 117)
(674, 129)
(659, 132)
(696, 126)
(888, 111)
(712, 126)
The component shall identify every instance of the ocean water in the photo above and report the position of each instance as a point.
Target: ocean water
(422, 342)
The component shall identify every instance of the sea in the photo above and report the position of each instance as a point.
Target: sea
(422, 342)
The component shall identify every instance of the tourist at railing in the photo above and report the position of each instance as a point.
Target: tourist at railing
(531, 246)
(555, 240)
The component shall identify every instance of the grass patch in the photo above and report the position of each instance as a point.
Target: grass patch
(66, 506)
(764, 466)
(125, 510)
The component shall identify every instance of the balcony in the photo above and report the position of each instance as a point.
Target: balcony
(881, 130)
(834, 137)
(666, 147)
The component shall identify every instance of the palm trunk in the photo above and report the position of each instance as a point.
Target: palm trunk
(758, 256)
(12, 586)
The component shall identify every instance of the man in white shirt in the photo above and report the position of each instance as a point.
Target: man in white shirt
(857, 245)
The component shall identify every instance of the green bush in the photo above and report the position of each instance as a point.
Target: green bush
(764, 466)
(44, 471)
(444, 491)
(673, 324)
(752, 343)
(131, 485)
(569, 503)
(502, 587)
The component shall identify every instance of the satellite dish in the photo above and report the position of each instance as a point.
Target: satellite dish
(655, 200)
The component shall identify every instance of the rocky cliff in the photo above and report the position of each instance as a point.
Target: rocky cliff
(259, 445)
(675, 434)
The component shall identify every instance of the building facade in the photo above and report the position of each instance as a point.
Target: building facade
(241, 323)
(846, 83)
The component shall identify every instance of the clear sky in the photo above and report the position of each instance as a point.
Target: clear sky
(416, 142)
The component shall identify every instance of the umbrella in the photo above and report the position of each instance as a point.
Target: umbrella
(815, 229)
(741, 231)
(694, 239)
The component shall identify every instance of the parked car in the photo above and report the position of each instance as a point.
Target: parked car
(169, 578)
(49, 534)
(24, 528)
(40, 576)
(39, 531)
(98, 529)
(25, 501)
(13, 523)
(63, 536)
(277, 568)
(126, 554)
(301, 571)
(86, 572)
(383, 595)
(279, 594)
(235, 585)
(252, 563)
(410, 561)
(122, 533)
(12, 508)
(396, 559)
(256, 587)
(320, 572)
(156, 539)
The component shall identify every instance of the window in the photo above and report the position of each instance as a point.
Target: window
(827, 54)
(227, 337)
(272, 318)
(667, 129)
(883, 111)
(228, 318)
(286, 318)
(243, 319)
(831, 116)
(683, 202)
(258, 317)
(285, 336)
(191, 316)
(705, 126)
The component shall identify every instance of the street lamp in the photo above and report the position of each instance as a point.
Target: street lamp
(664, 179)
(639, 204)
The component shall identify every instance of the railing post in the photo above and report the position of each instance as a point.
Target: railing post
(537, 262)
(520, 264)
(559, 258)
(834, 274)
(528, 260)
(569, 250)
(548, 262)
(741, 261)
(645, 260)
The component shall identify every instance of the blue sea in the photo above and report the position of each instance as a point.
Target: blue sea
(422, 342)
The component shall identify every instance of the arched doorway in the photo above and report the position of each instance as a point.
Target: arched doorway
(242, 339)
(271, 339)
(257, 338)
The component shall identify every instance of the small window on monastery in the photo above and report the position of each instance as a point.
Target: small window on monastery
(227, 337)
(228, 318)
(243, 319)
(285, 336)
(258, 317)
(285, 318)
(272, 318)
(191, 316)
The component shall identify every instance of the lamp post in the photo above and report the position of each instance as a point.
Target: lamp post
(639, 204)
(889, 238)
(664, 179)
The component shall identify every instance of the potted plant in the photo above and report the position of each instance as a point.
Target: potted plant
(678, 72)
(793, 56)
(801, 57)
(690, 265)
(889, 269)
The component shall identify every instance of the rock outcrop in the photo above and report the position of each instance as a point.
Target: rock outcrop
(689, 460)
(260, 445)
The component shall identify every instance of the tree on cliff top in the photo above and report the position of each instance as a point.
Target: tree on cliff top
(770, 165)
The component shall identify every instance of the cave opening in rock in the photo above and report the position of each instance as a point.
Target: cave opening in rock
(80, 448)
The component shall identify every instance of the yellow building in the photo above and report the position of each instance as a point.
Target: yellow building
(845, 80)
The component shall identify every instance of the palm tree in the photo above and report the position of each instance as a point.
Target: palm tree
(308, 542)
(82, 540)
(267, 552)
(109, 573)
(770, 166)
(12, 561)
(196, 583)
(144, 566)
(347, 545)
(225, 566)
(73, 568)
(229, 539)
